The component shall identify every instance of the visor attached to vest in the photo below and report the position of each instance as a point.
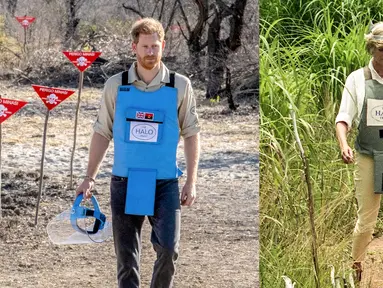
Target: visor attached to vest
(81, 212)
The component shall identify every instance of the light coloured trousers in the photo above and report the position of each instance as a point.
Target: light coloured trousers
(368, 206)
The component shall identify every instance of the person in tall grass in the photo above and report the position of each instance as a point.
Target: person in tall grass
(362, 103)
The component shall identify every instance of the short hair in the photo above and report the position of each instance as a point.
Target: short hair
(375, 37)
(147, 26)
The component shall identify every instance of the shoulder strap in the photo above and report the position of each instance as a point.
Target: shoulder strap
(171, 77)
(125, 77)
(367, 73)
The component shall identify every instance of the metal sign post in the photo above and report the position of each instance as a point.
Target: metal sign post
(51, 97)
(82, 60)
(80, 83)
(42, 166)
(25, 40)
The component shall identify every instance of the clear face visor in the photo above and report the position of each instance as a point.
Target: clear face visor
(80, 225)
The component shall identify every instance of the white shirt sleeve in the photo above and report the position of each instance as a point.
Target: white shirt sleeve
(349, 105)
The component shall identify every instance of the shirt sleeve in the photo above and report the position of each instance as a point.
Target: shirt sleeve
(348, 106)
(187, 114)
(104, 121)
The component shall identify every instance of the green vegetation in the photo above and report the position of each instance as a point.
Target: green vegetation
(9, 47)
(307, 49)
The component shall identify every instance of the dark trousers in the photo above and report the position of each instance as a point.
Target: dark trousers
(165, 234)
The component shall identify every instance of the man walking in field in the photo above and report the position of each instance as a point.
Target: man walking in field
(362, 102)
(145, 110)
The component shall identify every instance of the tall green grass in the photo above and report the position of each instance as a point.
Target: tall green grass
(307, 49)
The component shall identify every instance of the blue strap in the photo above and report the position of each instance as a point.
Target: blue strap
(79, 212)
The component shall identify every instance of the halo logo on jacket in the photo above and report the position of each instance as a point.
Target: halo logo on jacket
(143, 132)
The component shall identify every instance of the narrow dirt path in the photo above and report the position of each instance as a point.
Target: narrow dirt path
(373, 267)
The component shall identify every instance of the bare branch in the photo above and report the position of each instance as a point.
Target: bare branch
(171, 16)
(162, 10)
(133, 10)
(155, 8)
(184, 16)
(6, 48)
(138, 5)
(224, 10)
(10, 6)
(310, 201)
(221, 5)
(75, 5)
(204, 45)
(211, 15)
(182, 32)
(201, 19)
(80, 3)
(236, 25)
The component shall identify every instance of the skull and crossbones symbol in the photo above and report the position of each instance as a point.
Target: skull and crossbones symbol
(3, 110)
(81, 61)
(52, 99)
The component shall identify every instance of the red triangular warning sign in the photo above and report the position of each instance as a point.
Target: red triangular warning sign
(25, 20)
(52, 96)
(8, 107)
(82, 60)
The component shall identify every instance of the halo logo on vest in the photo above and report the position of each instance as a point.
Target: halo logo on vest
(143, 132)
(375, 112)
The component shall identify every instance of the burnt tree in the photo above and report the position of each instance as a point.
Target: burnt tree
(159, 10)
(194, 37)
(72, 7)
(10, 6)
(220, 49)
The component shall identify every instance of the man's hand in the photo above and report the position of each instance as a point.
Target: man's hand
(188, 194)
(347, 154)
(85, 188)
(191, 148)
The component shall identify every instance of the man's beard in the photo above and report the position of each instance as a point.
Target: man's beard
(149, 62)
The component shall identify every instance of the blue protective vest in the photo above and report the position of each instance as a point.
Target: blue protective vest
(146, 131)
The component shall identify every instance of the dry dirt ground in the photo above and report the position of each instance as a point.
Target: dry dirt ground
(219, 238)
(373, 268)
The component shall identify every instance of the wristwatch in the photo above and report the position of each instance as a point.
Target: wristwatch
(90, 178)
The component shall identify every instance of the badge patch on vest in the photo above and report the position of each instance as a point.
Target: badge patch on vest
(143, 132)
(374, 112)
(144, 115)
